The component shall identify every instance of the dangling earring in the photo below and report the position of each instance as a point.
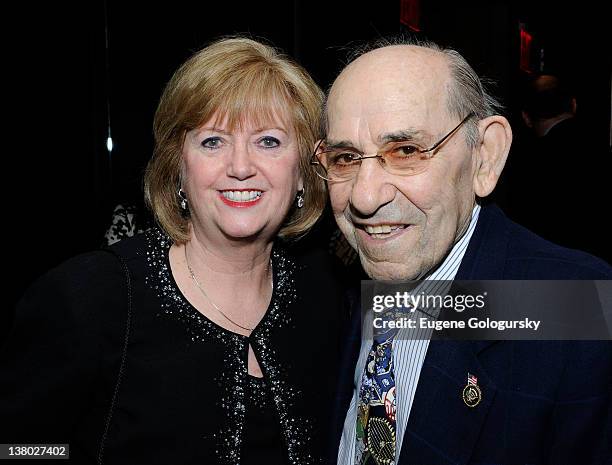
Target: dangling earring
(183, 197)
(300, 198)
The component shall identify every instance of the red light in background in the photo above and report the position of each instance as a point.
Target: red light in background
(410, 14)
(525, 59)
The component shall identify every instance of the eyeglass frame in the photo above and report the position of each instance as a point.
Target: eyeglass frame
(314, 160)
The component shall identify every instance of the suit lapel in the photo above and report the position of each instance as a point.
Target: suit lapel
(485, 257)
(441, 428)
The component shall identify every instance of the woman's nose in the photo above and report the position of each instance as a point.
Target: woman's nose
(241, 164)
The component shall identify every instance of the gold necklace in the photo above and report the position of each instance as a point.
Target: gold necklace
(216, 307)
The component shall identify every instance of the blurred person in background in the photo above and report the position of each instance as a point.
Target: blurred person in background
(555, 171)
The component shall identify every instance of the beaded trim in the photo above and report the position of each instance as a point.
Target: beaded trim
(232, 381)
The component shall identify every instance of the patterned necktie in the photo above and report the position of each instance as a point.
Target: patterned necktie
(376, 407)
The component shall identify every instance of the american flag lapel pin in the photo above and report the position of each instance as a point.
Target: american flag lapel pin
(472, 395)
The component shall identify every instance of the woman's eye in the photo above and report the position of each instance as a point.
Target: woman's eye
(211, 142)
(269, 142)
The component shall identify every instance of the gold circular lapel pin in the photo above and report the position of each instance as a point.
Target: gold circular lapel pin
(472, 395)
(381, 440)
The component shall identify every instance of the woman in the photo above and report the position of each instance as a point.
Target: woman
(207, 341)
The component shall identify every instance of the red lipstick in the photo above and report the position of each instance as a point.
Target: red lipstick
(244, 204)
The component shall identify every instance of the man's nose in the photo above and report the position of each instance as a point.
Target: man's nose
(241, 164)
(371, 188)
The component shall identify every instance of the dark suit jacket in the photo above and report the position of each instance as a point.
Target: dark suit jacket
(544, 402)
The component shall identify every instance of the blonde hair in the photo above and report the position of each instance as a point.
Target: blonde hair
(238, 79)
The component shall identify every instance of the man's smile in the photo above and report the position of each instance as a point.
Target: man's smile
(381, 231)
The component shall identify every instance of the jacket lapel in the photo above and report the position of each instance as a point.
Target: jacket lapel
(442, 429)
(485, 257)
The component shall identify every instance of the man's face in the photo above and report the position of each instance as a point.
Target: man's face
(401, 226)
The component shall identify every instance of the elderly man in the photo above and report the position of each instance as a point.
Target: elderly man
(413, 143)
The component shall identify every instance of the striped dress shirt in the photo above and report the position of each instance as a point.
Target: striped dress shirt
(409, 350)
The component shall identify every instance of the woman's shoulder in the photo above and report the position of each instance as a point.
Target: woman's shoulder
(88, 294)
(88, 279)
(132, 248)
(102, 265)
(78, 300)
(91, 280)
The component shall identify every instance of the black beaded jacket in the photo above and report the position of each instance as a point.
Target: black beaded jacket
(106, 354)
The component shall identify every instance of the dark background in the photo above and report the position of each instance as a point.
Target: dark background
(58, 184)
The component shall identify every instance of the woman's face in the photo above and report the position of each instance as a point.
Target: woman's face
(241, 182)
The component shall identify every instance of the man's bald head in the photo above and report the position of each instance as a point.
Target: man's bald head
(463, 89)
(385, 73)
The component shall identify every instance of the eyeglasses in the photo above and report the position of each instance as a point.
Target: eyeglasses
(399, 157)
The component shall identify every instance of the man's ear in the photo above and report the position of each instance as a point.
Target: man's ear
(491, 153)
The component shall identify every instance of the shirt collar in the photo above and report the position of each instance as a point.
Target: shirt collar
(447, 270)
